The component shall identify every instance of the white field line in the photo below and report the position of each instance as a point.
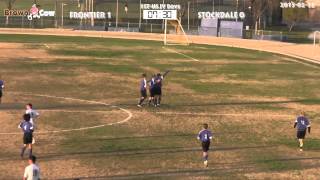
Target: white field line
(173, 51)
(84, 128)
(236, 115)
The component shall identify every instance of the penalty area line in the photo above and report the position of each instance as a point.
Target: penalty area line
(173, 51)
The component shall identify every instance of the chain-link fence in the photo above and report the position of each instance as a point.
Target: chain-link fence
(125, 15)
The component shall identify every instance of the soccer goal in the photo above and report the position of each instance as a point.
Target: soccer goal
(315, 37)
(174, 33)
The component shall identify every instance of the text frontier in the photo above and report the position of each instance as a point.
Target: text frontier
(87, 15)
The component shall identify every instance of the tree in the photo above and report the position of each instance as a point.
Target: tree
(292, 16)
(261, 8)
(9, 6)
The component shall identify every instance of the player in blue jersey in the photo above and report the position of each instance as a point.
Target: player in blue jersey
(1, 89)
(27, 129)
(143, 89)
(151, 89)
(205, 136)
(302, 124)
(158, 89)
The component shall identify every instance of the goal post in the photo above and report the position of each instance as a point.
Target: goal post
(316, 36)
(174, 33)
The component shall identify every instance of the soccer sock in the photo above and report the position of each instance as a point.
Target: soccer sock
(159, 101)
(141, 101)
(22, 150)
(301, 143)
(30, 152)
(206, 157)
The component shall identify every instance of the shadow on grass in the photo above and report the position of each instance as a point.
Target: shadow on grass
(167, 174)
(304, 101)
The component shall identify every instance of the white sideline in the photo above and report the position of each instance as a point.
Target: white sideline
(79, 129)
(171, 50)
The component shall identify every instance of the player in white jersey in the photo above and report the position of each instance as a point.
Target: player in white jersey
(32, 172)
(33, 116)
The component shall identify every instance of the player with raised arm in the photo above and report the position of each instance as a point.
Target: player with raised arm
(205, 136)
(158, 88)
(1, 89)
(302, 124)
(143, 89)
(151, 89)
(27, 129)
(32, 172)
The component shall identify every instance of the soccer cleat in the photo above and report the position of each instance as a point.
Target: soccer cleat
(301, 149)
(139, 105)
(205, 163)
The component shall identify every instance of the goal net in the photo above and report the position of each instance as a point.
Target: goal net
(316, 38)
(174, 33)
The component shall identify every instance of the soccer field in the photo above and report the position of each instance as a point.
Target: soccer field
(249, 99)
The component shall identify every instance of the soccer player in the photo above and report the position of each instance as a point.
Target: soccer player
(205, 136)
(158, 89)
(151, 89)
(27, 129)
(143, 89)
(32, 172)
(302, 123)
(1, 88)
(33, 114)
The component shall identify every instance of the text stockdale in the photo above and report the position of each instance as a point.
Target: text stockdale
(221, 15)
(87, 15)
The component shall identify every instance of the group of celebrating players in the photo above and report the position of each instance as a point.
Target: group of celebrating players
(155, 89)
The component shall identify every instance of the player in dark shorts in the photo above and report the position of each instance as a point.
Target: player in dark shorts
(302, 124)
(158, 90)
(1, 89)
(151, 89)
(143, 90)
(27, 129)
(205, 136)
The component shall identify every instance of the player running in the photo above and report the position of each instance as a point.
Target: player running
(1, 89)
(27, 129)
(32, 172)
(143, 89)
(302, 123)
(205, 136)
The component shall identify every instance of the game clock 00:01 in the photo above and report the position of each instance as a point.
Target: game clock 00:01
(160, 14)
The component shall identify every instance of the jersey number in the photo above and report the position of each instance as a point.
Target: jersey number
(206, 136)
